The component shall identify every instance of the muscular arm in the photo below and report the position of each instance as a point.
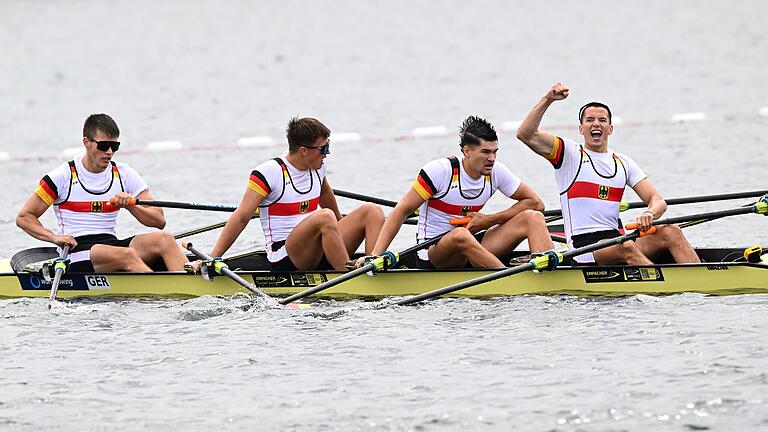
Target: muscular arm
(651, 197)
(540, 141)
(407, 204)
(237, 222)
(527, 199)
(28, 219)
(328, 199)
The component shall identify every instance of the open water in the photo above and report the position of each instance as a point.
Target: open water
(207, 73)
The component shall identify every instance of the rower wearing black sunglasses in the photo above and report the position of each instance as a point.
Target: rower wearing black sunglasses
(302, 224)
(80, 190)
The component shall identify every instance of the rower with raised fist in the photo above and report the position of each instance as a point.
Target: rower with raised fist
(591, 178)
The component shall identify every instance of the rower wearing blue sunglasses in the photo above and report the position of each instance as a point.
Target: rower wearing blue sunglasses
(303, 227)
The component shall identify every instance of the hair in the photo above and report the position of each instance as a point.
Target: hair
(475, 129)
(100, 123)
(304, 132)
(594, 104)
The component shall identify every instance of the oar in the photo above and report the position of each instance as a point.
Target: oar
(624, 205)
(366, 198)
(204, 229)
(210, 207)
(178, 205)
(385, 261)
(551, 259)
(220, 267)
(60, 265)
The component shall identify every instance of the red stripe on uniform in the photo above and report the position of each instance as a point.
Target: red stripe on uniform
(452, 209)
(595, 191)
(294, 208)
(89, 206)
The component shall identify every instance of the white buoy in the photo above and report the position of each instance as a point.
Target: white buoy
(255, 141)
(511, 126)
(164, 146)
(340, 137)
(4, 156)
(72, 152)
(763, 111)
(688, 117)
(430, 131)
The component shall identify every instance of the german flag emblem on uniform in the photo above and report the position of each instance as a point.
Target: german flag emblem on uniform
(603, 191)
(97, 206)
(465, 210)
(303, 206)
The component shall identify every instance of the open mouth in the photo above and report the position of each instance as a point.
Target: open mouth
(597, 133)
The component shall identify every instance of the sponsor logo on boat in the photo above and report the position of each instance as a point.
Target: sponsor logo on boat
(626, 274)
(289, 279)
(717, 267)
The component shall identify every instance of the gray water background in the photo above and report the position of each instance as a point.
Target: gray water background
(206, 73)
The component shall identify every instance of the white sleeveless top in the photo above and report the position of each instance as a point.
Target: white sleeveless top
(290, 195)
(451, 193)
(592, 186)
(80, 198)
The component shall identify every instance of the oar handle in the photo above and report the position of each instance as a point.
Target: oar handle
(132, 201)
(460, 221)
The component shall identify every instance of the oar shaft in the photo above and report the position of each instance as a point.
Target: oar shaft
(704, 198)
(367, 198)
(58, 272)
(370, 266)
(324, 286)
(227, 272)
(684, 200)
(702, 216)
(514, 270)
(184, 205)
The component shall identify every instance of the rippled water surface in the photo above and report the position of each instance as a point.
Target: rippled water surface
(207, 73)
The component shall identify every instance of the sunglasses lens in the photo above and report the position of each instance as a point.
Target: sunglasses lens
(106, 145)
(325, 149)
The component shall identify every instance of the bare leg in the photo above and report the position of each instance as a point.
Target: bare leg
(363, 223)
(459, 246)
(159, 244)
(625, 253)
(316, 235)
(671, 238)
(503, 239)
(113, 258)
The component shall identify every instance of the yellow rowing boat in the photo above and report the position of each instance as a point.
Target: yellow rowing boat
(726, 272)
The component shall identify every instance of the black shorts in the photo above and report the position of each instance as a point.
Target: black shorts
(86, 242)
(286, 265)
(587, 239)
(427, 265)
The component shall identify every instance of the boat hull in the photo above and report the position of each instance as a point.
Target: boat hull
(709, 278)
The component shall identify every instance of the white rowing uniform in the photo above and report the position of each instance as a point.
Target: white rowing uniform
(80, 198)
(591, 187)
(290, 195)
(451, 193)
